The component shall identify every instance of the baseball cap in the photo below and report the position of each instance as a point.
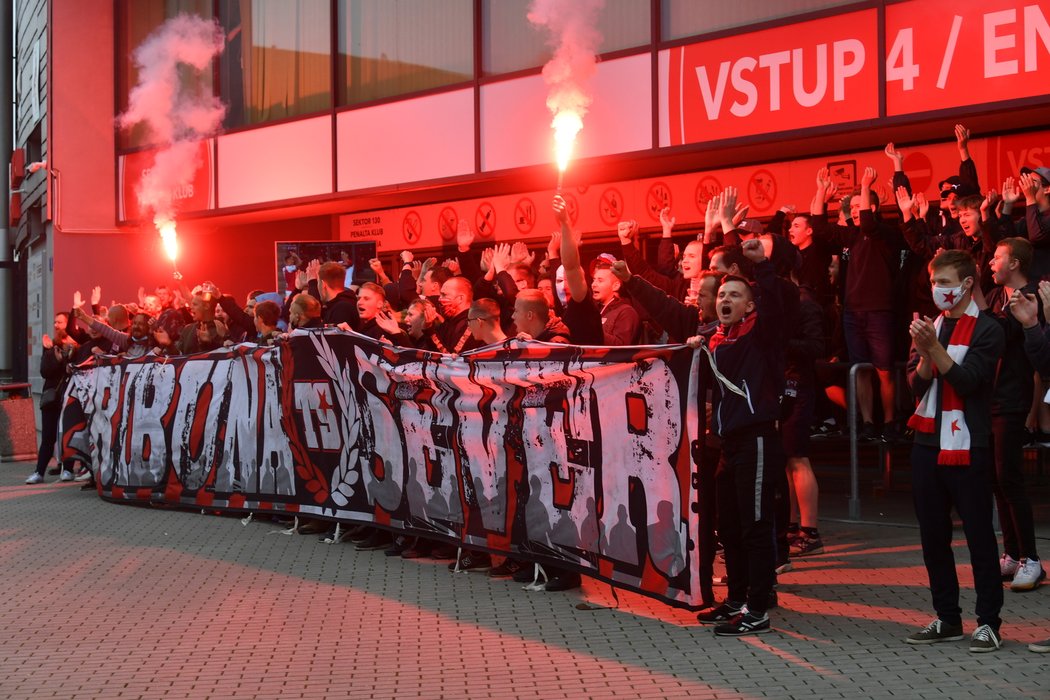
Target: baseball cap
(1041, 172)
(752, 226)
(957, 185)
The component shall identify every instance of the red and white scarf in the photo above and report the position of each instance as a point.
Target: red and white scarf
(955, 436)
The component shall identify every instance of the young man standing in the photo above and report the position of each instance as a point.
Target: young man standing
(1011, 403)
(951, 369)
(747, 350)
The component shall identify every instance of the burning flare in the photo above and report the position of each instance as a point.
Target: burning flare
(572, 32)
(566, 125)
(169, 239)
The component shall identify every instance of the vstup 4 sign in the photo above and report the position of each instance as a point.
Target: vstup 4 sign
(812, 74)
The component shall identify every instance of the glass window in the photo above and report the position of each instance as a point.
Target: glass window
(511, 43)
(137, 20)
(277, 60)
(684, 18)
(394, 47)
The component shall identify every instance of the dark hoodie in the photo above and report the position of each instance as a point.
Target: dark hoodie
(342, 308)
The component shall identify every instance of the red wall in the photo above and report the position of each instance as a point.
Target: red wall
(236, 258)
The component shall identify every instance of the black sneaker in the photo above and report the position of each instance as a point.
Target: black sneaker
(867, 433)
(508, 568)
(748, 623)
(893, 432)
(805, 546)
(525, 574)
(725, 612)
(401, 543)
(563, 581)
(377, 540)
(936, 631)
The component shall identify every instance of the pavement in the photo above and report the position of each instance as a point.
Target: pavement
(118, 601)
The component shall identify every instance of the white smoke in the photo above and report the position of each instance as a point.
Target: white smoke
(574, 36)
(178, 113)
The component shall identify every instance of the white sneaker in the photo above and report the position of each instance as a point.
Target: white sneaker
(84, 476)
(66, 475)
(35, 478)
(1008, 566)
(1029, 574)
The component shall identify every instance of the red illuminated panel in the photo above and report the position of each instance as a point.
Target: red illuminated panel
(939, 54)
(199, 195)
(793, 77)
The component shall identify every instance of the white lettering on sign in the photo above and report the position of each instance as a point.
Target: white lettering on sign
(1000, 37)
(745, 76)
(994, 43)
(1031, 157)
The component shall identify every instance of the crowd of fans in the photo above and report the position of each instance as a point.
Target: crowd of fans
(782, 309)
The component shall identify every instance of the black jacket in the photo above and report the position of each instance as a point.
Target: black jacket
(749, 354)
(342, 308)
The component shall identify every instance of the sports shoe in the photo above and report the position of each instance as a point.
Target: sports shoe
(784, 567)
(867, 433)
(1042, 647)
(748, 623)
(1008, 566)
(726, 612)
(1028, 575)
(563, 581)
(984, 638)
(937, 631)
(84, 475)
(508, 568)
(66, 475)
(379, 539)
(804, 546)
(525, 574)
(35, 478)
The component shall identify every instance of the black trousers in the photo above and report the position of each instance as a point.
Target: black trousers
(752, 461)
(936, 489)
(49, 417)
(707, 518)
(1015, 508)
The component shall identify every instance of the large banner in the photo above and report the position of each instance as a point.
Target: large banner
(579, 457)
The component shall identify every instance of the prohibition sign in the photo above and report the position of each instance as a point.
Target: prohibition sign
(412, 227)
(572, 206)
(485, 219)
(707, 188)
(448, 222)
(659, 196)
(524, 215)
(610, 207)
(762, 190)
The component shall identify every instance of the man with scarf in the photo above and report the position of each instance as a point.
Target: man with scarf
(951, 371)
(747, 360)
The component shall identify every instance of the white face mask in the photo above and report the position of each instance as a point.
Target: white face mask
(946, 298)
(289, 268)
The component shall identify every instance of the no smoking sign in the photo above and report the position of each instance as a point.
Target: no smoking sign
(485, 220)
(659, 196)
(412, 227)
